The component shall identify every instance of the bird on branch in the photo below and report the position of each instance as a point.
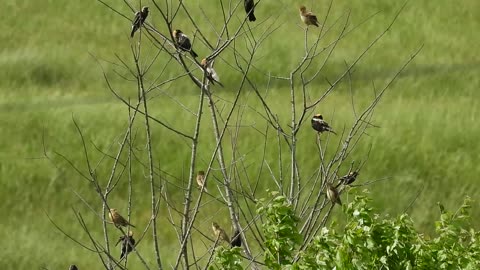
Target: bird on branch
(249, 9)
(212, 75)
(117, 219)
(308, 17)
(138, 20)
(320, 125)
(183, 42)
(127, 244)
(220, 233)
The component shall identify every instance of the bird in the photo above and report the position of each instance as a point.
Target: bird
(212, 75)
(73, 267)
(320, 125)
(127, 244)
(349, 178)
(249, 9)
(201, 180)
(308, 17)
(117, 219)
(332, 194)
(183, 42)
(236, 239)
(138, 20)
(220, 233)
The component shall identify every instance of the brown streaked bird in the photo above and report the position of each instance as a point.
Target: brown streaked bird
(212, 75)
(138, 20)
(332, 194)
(117, 219)
(201, 180)
(220, 233)
(183, 42)
(320, 125)
(236, 239)
(73, 267)
(308, 17)
(249, 9)
(127, 244)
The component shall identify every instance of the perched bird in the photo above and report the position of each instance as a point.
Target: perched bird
(127, 244)
(236, 239)
(137, 22)
(117, 219)
(332, 194)
(349, 178)
(249, 9)
(308, 17)
(201, 180)
(73, 267)
(212, 75)
(183, 42)
(320, 125)
(220, 233)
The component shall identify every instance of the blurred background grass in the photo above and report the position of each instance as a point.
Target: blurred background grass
(427, 141)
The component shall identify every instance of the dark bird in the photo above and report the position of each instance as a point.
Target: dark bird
(73, 267)
(332, 194)
(320, 125)
(349, 178)
(183, 42)
(212, 75)
(236, 239)
(117, 219)
(308, 17)
(220, 234)
(201, 180)
(127, 244)
(139, 19)
(249, 9)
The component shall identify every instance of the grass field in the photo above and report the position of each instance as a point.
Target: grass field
(427, 143)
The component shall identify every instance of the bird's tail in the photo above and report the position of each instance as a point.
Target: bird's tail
(331, 130)
(251, 16)
(133, 31)
(193, 53)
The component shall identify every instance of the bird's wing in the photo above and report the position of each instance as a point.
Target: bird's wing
(213, 73)
(137, 18)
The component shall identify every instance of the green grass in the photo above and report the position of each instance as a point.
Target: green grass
(427, 140)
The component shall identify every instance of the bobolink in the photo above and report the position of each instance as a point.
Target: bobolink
(127, 244)
(320, 125)
(73, 267)
(249, 9)
(332, 194)
(137, 22)
(220, 233)
(201, 180)
(236, 239)
(183, 42)
(349, 178)
(308, 17)
(212, 75)
(117, 219)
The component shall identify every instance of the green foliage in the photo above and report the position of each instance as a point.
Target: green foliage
(227, 258)
(456, 244)
(280, 231)
(368, 241)
(372, 242)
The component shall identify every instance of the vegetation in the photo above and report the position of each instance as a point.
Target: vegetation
(426, 143)
(369, 241)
